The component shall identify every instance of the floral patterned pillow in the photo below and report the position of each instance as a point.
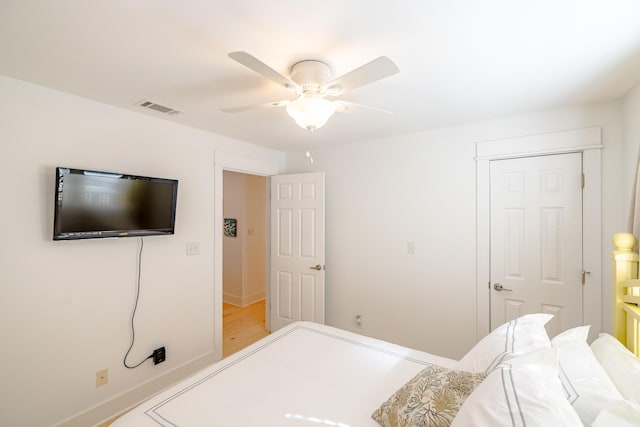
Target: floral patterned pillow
(430, 399)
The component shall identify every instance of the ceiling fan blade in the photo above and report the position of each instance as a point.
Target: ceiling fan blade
(368, 73)
(352, 107)
(255, 106)
(263, 69)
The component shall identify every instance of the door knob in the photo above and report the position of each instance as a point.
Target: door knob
(498, 287)
(317, 267)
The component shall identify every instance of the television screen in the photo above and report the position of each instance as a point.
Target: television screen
(91, 204)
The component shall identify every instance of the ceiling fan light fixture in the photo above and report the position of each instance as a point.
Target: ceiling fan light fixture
(310, 112)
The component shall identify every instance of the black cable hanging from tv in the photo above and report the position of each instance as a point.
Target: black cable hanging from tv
(133, 313)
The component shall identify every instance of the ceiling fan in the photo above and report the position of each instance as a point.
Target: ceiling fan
(312, 82)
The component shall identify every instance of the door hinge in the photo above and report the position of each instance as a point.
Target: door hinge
(582, 180)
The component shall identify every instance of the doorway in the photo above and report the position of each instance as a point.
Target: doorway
(245, 237)
(588, 142)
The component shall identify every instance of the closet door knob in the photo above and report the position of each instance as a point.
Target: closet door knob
(498, 287)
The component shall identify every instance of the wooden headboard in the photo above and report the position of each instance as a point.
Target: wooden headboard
(626, 294)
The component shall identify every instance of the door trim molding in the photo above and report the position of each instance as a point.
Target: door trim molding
(569, 141)
(587, 141)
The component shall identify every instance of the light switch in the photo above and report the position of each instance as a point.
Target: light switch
(411, 248)
(193, 248)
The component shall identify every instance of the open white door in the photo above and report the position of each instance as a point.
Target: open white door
(297, 249)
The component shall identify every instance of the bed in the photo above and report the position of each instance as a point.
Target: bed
(309, 374)
(303, 372)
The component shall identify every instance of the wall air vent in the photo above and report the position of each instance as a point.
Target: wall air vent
(157, 107)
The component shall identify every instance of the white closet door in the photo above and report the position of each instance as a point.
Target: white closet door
(536, 239)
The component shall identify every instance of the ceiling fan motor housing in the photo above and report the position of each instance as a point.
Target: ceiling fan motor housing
(310, 75)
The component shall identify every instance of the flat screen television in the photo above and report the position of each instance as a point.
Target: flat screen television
(92, 204)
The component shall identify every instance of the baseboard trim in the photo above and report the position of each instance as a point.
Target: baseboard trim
(232, 299)
(244, 300)
(252, 299)
(122, 402)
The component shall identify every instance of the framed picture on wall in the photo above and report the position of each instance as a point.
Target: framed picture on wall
(230, 227)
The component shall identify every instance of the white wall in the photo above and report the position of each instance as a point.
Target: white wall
(255, 232)
(421, 188)
(631, 117)
(232, 269)
(65, 306)
(244, 260)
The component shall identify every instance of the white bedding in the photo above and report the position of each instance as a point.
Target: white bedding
(304, 374)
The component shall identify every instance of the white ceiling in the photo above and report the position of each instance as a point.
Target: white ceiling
(459, 60)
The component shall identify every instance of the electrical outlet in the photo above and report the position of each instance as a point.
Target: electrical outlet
(102, 377)
(359, 321)
(159, 355)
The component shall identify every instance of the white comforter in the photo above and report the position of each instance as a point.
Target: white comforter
(302, 375)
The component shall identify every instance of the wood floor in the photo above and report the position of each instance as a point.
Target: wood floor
(241, 327)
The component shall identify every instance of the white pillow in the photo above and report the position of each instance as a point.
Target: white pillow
(622, 366)
(579, 333)
(586, 384)
(619, 413)
(518, 336)
(522, 391)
